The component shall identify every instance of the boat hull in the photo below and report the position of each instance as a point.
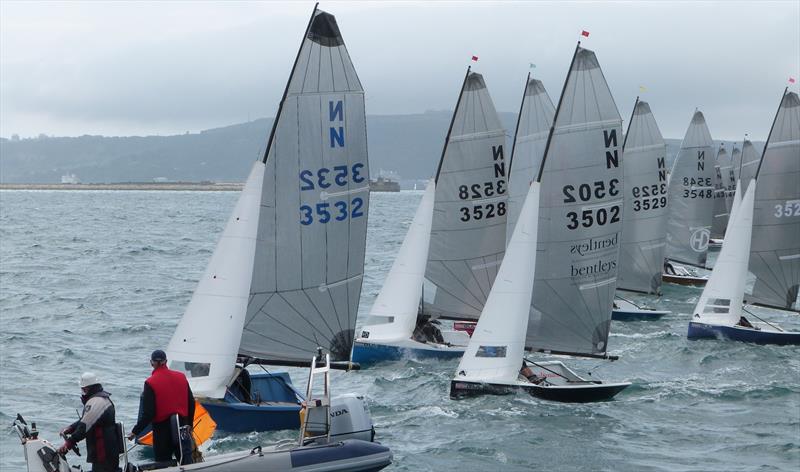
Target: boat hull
(273, 405)
(687, 280)
(637, 315)
(366, 353)
(583, 393)
(740, 333)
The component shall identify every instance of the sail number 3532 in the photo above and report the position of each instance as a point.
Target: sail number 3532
(790, 208)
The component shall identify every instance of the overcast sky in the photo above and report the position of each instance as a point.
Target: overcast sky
(141, 68)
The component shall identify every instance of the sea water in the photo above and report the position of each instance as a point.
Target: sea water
(95, 280)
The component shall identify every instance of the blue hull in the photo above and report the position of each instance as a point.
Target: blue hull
(624, 315)
(701, 330)
(366, 354)
(273, 405)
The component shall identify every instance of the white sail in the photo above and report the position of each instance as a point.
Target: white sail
(722, 167)
(645, 211)
(721, 301)
(312, 228)
(775, 251)
(469, 214)
(691, 196)
(206, 342)
(535, 119)
(394, 314)
(580, 218)
(285, 277)
(496, 348)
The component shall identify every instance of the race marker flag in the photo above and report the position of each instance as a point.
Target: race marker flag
(585, 34)
(474, 58)
(533, 66)
(642, 88)
(791, 80)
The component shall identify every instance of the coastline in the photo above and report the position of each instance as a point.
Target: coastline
(184, 186)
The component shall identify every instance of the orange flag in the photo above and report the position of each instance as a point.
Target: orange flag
(202, 429)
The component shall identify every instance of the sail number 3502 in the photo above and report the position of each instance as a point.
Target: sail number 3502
(594, 216)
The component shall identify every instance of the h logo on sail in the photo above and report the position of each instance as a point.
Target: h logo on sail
(336, 113)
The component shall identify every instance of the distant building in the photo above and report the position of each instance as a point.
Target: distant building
(160, 180)
(70, 179)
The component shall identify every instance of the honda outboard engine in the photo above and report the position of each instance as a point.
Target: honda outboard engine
(350, 418)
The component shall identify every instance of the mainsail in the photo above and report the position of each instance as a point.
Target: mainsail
(468, 236)
(533, 125)
(644, 226)
(722, 169)
(775, 249)
(733, 176)
(748, 164)
(691, 196)
(580, 219)
(285, 277)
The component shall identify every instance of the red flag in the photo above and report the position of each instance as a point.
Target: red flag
(474, 58)
(585, 33)
(791, 80)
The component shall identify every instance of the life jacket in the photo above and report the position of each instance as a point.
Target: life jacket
(102, 442)
(171, 390)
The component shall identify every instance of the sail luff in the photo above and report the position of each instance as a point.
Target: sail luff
(516, 128)
(286, 89)
(450, 128)
(771, 129)
(628, 131)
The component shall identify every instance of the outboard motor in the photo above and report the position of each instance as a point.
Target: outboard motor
(350, 418)
(40, 455)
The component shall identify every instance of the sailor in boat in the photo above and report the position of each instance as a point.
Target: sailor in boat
(97, 425)
(166, 394)
(528, 374)
(668, 268)
(745, 323)
(426, 331)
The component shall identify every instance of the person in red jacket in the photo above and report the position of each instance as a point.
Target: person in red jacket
(166, 393)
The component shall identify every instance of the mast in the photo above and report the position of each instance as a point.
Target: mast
(625, 140)
(452, 121)
(764, 152)
(516, 128)
(286, 90)
(555, 116)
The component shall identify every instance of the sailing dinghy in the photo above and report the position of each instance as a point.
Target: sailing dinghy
(763, 230)
(644, 225)
(454, 245)
(285, 277)
(555, 286)
(691, 205)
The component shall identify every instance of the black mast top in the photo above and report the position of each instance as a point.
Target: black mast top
(452, 121)
(555, 116)
(286, 90)
(516, 128)
(764, 152)
(633, 113)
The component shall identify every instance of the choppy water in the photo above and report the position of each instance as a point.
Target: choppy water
(97, 280)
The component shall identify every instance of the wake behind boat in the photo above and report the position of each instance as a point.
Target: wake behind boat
(454, 244)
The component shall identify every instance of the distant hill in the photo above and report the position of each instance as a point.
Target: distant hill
(407, 144)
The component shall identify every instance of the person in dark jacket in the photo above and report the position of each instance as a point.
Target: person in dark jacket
(166, 393)
(97, 425)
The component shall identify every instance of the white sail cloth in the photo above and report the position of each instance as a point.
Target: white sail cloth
(285, 277)
(722, 168)
(469, 215)
(749, 164)
(691, 196)
(394, 314)
(775, 251)
(497, 345)
(536, 117)
(721, 301)
(645, 213)
(580, 219)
